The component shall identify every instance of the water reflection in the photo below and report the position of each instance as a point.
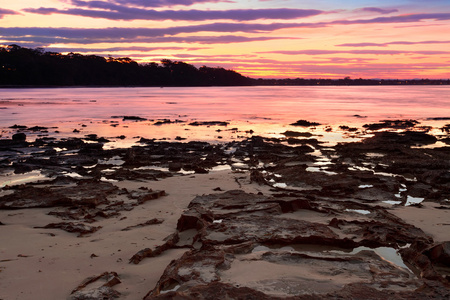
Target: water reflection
(265, 111)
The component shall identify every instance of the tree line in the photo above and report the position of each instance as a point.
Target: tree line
(20, 66)
(36, 67)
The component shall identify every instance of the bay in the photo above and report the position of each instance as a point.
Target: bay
(261, 110)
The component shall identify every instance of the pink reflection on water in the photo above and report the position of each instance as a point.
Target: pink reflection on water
(265, 110)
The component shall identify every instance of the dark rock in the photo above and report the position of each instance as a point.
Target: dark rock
(38, 128)
(304, 123)
(170, 243)
(213, 290)
(289, 133)
(258, 177)
(102, 292)
(347, 128)
(22, 168)
(200, 170)
(29, 197)
(440, 254)
(149, 222)
(88, 193)
(201, 267)
(15, 126)
(133, 118)
(167, 121)
(395, 124)
(209, 123)
(147, 195)
(19, 137)
(175, 166)
(269, 230)
(80, 228)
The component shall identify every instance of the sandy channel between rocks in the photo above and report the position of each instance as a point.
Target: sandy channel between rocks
(49, 263)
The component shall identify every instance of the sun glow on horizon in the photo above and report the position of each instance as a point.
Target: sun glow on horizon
(267, 39)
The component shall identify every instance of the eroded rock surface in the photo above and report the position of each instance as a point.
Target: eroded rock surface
(327, 228)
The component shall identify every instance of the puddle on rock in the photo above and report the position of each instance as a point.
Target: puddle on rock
(413, 200)
(115, 160)
(386, 253)
(359, 211)
(319, 169)
(16, 179)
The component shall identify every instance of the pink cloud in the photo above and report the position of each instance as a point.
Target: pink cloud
(373, 52)
(4, 12)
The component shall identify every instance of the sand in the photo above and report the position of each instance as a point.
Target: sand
(37, 265)
(50, 263)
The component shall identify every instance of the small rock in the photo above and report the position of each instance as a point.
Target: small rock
(19, 137)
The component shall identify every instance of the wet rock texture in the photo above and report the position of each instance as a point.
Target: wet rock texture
(97, 287)
(326, 230)
(321, 232)
(257, 247)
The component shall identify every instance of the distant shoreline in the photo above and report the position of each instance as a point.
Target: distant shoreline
(32, 68)
(266, 82)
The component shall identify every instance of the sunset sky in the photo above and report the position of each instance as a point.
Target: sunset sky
(398, 39)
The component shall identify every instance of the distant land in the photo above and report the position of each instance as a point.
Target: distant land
(26, 67)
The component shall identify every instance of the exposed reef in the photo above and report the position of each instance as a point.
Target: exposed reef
(328, 222)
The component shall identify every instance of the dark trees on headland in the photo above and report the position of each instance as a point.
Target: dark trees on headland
(35, 67)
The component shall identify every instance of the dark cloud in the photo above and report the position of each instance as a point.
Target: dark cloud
(363, 45)
(97, 35)
(116, 34)
(4, 12)
(117, 12)
(377, 10)
(45, 41)
(396, 19)
(391, 43)
(147, 3)
(119, 49)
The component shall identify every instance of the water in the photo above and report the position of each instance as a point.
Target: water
(266, 111)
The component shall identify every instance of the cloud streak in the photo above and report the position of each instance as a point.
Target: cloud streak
(371, 52)
(115, 12)
(391, 43)
(4, 12)
(409, 18)
(146, 3)
(114, 33)
(104, 34)
(377, 10)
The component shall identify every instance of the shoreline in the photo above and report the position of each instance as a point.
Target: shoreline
(277, 82)
(258, 216)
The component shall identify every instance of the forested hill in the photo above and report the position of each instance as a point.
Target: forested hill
(21, 66)
(36, 67)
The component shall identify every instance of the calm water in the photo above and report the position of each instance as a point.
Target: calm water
(265, 110)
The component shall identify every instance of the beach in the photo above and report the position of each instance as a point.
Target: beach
(266, 218)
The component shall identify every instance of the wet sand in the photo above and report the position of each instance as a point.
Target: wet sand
(260, 217)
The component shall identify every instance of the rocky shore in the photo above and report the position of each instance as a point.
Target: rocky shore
(258, 218)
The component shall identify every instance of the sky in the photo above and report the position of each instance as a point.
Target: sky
(395, 39)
